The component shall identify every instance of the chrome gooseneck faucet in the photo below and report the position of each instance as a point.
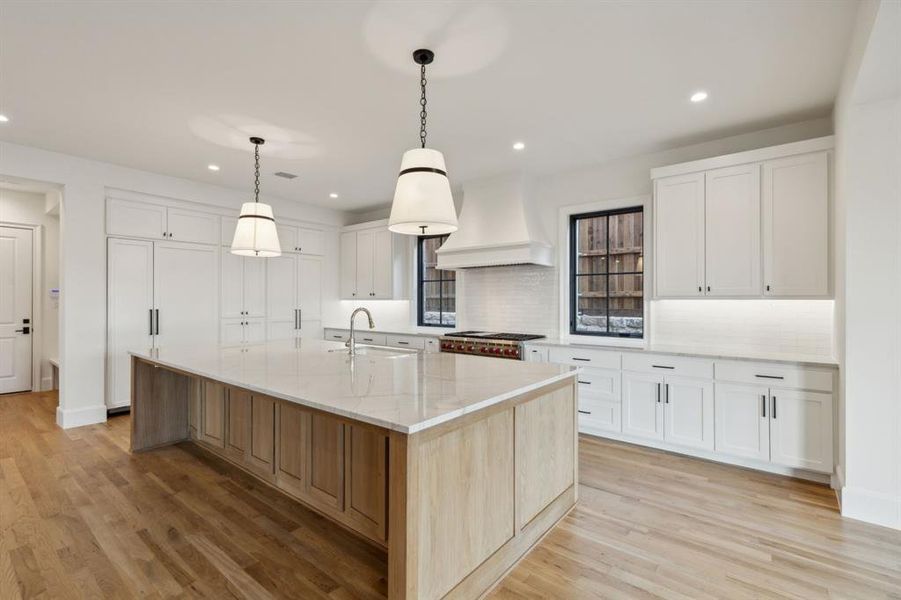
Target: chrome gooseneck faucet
(351, 342)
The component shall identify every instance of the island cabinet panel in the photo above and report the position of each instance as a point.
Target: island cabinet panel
(161, 406)
(467, 511)
(545, 428)
(195, 397)
(261, 449)
(212, 414)
(238, 420)
(366, 479)
(326, 465)
(292, 438)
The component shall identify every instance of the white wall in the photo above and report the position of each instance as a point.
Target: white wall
(868, 267)
(27, 208)
(83, 257)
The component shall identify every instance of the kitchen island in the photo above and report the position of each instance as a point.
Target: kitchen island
(456, 465)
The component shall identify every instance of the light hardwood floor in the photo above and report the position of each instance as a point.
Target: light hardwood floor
(81, 517)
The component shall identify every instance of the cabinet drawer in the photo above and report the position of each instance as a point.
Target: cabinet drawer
(585, 357)
(600, 383)
(375, 339)
(535, 354)
(775, 375)
(668, 365)
(406, 341)
(337, 335)
(432, 345)
(597, 415)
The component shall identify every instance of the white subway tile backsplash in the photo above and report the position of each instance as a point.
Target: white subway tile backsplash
(801, 327)
(518, 298)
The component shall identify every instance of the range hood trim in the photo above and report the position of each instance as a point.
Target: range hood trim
(497, 255)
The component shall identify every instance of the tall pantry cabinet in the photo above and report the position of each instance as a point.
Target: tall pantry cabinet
(159, 293)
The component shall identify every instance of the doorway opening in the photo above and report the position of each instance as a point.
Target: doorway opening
(29, 285)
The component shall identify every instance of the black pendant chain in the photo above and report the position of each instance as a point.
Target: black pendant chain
(256, 183)
(422, 103)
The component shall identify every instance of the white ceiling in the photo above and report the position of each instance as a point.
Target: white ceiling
(172, 86)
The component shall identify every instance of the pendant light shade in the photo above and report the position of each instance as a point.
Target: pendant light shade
(256, 234)
(423, 204)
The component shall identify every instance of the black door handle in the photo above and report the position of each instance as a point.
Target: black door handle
(25, 330)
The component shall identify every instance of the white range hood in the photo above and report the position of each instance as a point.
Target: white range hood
(497, 226)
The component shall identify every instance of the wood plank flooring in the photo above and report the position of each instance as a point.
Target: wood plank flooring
(80, 517)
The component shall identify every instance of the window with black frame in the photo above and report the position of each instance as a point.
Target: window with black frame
(607, 273)
(436, 288)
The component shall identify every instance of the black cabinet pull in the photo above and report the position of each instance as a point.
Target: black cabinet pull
(157, 314)
(700, 289)
(708, 288)
(767, 288)
(658, 393)
(770, 376)
(667, 393)
(662, 367)
(584, 412)
(581, 359)
(151, 321)
(763, 405)
(584, 382)
(404, 343)
(774, 408)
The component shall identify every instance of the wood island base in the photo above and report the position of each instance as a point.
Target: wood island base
(456, 505)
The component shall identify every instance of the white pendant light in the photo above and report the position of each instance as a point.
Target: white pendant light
(256, 234)
(423, 204)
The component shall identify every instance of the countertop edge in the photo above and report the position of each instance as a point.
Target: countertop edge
(405, 429)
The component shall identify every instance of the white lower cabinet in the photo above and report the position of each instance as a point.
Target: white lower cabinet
(678, 410)
(600, 408)
(642, 405)
(789, 428)
(688, 412)
(742, 424)
(801, 429)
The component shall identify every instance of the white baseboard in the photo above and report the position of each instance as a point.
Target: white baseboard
(78, 417)
(711, 456)
(872, 507)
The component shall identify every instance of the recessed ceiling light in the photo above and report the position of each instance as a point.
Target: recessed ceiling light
(699, 96)
(4, 119)
(519, 146)
(333, 195)
(213, 167)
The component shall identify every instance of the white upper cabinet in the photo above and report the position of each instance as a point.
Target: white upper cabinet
(679, 235)
(145, 220)
(243, 286)
(732, 231)
(192, 226)
(796, 226)
(287, 238)
(374, 263)
(745, 225)
(135, 219)
(348, 264)
(310, 241)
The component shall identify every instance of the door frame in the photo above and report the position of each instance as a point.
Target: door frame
(37, 284)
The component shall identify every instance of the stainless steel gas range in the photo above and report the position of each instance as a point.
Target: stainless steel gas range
(481, 343)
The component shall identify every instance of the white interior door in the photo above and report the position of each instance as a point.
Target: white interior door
(642, 405)
(688, 412)
(15, 309)
(742, 421)
(281, 296)
(186, 293)
(732, 238)
(679, 235)
(128, 312)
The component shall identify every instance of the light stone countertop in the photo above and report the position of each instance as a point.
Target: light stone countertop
(712, 353)
(397, 389)
(361, 329)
